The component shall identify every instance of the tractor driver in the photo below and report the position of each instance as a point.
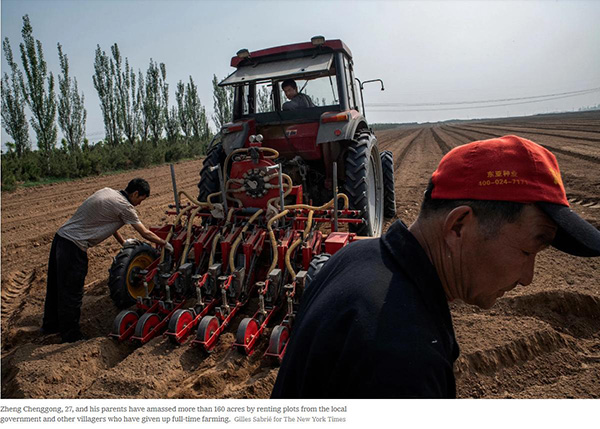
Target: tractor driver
(297, 99)
(99, 216)
(375, 322)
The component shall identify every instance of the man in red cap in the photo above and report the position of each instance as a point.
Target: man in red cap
(375, 322)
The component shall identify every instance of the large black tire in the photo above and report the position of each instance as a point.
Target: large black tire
(364, 184)
(389, 195)
(209, 180)
(124, 288)
(317, 262)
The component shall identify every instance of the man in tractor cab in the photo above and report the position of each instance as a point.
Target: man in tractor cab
(375, 322)
(99, 216)
(297, 99)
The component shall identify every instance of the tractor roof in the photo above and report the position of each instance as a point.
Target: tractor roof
(308, 47)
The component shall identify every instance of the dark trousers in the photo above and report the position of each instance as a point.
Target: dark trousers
(67, 268)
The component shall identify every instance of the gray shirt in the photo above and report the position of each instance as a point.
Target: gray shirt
(99, 217)
(300, 101)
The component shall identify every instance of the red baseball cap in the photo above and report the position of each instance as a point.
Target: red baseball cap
(512, 168)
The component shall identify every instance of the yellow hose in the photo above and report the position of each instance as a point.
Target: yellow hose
(245, 150)
(239, 239)
(323, 207)
(287, 192)
(177, 219)
(209, 198)
(288, 254)
(272, 237)
(213, 250)
(189, 234)
(229, 215)
(194, 200)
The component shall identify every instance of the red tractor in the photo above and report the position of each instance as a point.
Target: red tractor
(308, 140)
(271, 176)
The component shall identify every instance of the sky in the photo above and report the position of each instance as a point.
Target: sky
(439, 60)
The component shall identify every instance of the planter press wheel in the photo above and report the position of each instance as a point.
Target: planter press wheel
(146, 324)
(124, 320)
(207, 327)
(179, 320)
(279, 338)
(247, 329)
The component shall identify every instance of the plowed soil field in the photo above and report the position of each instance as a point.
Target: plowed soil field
(539, 341)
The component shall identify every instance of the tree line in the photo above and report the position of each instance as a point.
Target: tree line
(141, 127)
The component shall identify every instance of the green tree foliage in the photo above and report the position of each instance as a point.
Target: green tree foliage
(263, 101)
(171, 117)
(14, 120)
(142, 122)
(223, 103)
(71, 110)
(104, 82)
(172, 125)
(125, 95)
(134, 105)
(196, 112)
(41, 100)
(184, 117)
(154, 106)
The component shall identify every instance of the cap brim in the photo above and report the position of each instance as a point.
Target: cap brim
(575, 235)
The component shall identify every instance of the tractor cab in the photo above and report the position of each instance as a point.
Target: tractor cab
(322, 71)
(325, 141)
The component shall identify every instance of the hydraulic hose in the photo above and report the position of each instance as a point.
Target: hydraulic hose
(323, 207)
(274, 155)
(213, 249)
(195, 201)
(177, 219)
(272, 237)
(189, 235)
(239, 239)
(288, 254)
(289, 184)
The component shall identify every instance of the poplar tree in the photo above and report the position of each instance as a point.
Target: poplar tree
(154, 101)
(71, 110)
(184, 116)
(124, 95)
(196, 112)
(104, 83)
(171, 117)
(223, 103)
(172, 125)
(142, 122)
(39, 97)
(263, 100)
(14, 120)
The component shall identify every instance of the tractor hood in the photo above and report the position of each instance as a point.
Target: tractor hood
(280, 69)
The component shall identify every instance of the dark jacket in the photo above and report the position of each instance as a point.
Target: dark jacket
(375, 323)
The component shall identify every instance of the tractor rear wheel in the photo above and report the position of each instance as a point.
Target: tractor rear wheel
(364, 184)
(209, 180)
(124, 281)
(389, 194)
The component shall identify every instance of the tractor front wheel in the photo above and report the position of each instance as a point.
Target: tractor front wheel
(124, 281)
